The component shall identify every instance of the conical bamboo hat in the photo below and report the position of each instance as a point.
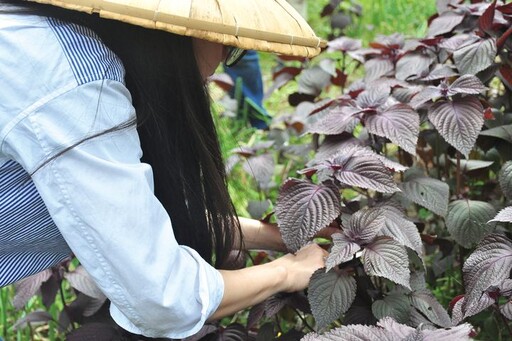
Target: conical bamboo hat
(263, 25)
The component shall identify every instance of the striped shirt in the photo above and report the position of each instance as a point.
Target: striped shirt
(58, 84)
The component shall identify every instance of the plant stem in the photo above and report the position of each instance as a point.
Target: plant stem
(303, 319)
(461, 265)
(66, 309)
(3, 310)
(459, 185)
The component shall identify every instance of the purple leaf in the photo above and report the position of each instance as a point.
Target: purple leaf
(506, 309)
(49, 290)
(257, 208)
(333, 144)
(485, 22)
(395, 305)
(477, 306)
(256, 313)
(93, 306)
(399, 123)
(373, 97)
(505, 179)
(505, 215)
(342, 251)
(335, 121)
(312, 81)
(440, 71)
(94, 331)
(353, 332)
(444, 23)
(458, 121)
(425, 191)
(457, 314)
(27, 287)
(386, 258)
(489, 265)
(261, 167)
(427, 94)
(83, 282)
(401, 230)
(359, 313)
(304, 208)
(274, 304)
(33, 318)
(364, 225)
(397, 167)
(476, 57)
(378, 67)
(413, 66)
(506, 288)
(361, 167)
(466, 84)
(426, 304)
(234, 332)
(458, 41)
(344, 44)
(459, 333)
(467, 221)
(330, 295)
(401, 331)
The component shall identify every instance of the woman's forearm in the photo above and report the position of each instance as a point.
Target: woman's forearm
(261, 235)
(249, 286)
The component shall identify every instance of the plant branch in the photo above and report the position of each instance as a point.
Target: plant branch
(459, 184)
(66, 308)
(303, 319)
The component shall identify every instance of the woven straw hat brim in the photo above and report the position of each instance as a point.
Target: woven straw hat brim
(263, 25)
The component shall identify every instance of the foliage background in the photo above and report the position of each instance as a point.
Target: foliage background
(378, 17)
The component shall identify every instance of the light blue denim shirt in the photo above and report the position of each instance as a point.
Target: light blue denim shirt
(59, 84)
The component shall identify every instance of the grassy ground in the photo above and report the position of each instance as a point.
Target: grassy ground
(379, 17)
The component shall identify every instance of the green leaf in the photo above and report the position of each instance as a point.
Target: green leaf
(425, 191)
(330, 295)
(470, 165)
(501, 132)
(395, 305)
(467, 221)
(505, 179)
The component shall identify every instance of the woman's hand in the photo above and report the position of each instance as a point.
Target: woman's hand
(249, 286)
(301, 266)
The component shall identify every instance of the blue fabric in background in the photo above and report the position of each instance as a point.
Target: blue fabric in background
(248, 68)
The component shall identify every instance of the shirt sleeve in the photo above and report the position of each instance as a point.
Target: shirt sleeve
(101, 198)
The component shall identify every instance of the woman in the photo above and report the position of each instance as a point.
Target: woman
(106, 137)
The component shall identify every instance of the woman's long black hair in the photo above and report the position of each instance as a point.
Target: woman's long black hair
(175, 127)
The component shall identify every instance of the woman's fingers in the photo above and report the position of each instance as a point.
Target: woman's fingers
(303, 264)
